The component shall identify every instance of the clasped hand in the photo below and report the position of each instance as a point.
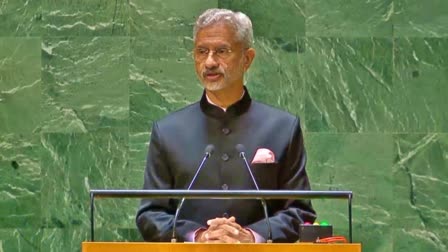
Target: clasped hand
(224, 230)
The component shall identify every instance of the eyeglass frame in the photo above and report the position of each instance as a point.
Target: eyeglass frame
(203, 56)
(200, 56)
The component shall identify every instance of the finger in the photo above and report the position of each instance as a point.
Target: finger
(217, 221)
(214, 222)
(234, 225)
(228, 239)
(246, 236)
(213, 227)
(230, 229)
(217, 234)
(231, 222)
(246, 232)
(220, 221)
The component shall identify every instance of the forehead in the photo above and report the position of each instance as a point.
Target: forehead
(216, 35)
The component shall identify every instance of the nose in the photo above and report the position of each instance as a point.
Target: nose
(210, 61)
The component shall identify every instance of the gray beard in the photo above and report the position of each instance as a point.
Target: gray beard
(214, 86)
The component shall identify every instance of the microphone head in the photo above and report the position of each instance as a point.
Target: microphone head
(240, 148)
(209, 149)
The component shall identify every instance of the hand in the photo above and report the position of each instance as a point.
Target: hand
(225, 230)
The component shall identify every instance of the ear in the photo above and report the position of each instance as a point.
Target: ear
(249, 56)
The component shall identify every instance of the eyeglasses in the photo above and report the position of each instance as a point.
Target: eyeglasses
(201, 53)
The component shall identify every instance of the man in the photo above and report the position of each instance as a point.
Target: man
(225, 116)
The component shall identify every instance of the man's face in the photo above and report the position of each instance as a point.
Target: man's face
(220, 59)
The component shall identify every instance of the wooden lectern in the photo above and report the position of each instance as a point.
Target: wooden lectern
(202, 247)
(218, 194)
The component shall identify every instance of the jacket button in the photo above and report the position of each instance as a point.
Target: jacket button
(226, 131)
(225, 187)
(225, 157)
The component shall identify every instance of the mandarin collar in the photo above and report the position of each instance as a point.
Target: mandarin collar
(234, 110)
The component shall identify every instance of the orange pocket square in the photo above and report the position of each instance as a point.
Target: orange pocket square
(263, 156)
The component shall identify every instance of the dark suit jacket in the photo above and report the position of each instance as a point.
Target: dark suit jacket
(177, 147)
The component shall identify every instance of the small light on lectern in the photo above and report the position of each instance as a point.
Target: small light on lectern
(324, 223)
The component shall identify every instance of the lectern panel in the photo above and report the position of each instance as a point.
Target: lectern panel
(200, 247)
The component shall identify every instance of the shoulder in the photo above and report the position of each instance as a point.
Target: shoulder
(272, 113)
(180, 117)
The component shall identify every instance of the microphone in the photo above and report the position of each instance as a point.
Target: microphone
(207, 153)
(241, 150)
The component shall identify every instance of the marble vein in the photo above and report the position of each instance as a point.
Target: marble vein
(405, 157)
(427, 236)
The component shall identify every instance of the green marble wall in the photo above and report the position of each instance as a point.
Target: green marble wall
(82, 80)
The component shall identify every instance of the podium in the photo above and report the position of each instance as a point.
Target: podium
(203, 247)
(93, 246)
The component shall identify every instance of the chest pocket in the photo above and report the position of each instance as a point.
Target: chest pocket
(266, 175)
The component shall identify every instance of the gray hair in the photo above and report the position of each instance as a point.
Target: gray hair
(240, 21)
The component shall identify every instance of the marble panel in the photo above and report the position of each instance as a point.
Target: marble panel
(85, 84)
(420, 85)
(66, 239)
(277, 75)
(361, 163)
(75, 163)
(22, 239)
(349, 81)
(20, 181)
(85, 18)
(69, 239)
(156, 18)
(20, 18)
(416, 18)
(138, 150)
(274, 20)
(420, 177)
(349, 18)
(163, 79)
(20, 84)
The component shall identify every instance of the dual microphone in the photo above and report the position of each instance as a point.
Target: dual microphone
(208, 151)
